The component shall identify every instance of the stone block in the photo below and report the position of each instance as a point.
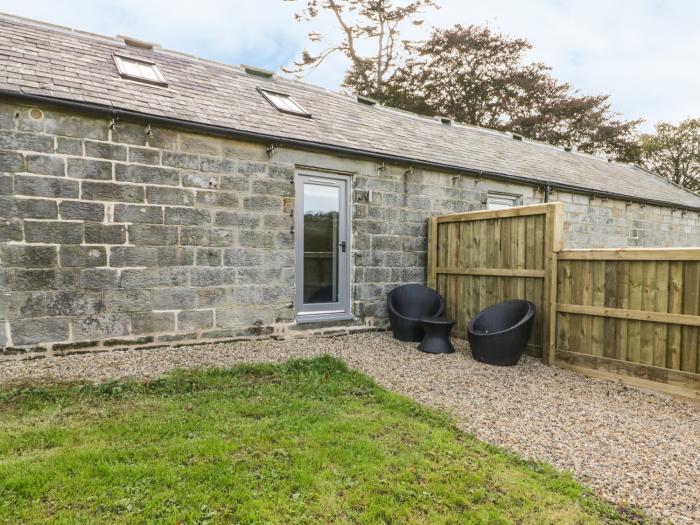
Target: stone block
(53, 232)
(46, 165)
(171, 196)
(281, 172)
(217, 199)
(154, 277)
(127, 300)
(6, 184)
(11, 162)
(99, 278)
(246, 295)
(207, 277)
(80, 210)
(83, 256)
(96, 233)
(100, 326)
(235, 183)
(252, 168)
(256, 239)
(41, 330)
(220, 237)
(243, 317)
(173, 299)
(244, 150)
(73, 303)
(174, 256)
(10, 230)
(152, 323)
(105, 150)
(210, 297)
(181, 160)
(187, 216)
(76, 126)
(209, 257)
(152, 235)
(196, 179)
(217, 165)
(109, 191)
(162, 138)
(278, 221)
(46, 187)
(22, 256)
(68, 146)
(23, 305)
(15, 207)
(64, 279)
(147, 174)
(195, 320)
(138, 214)
(203, 144)
(237, 219)
(120, 256)
(13, 140)
(130, 133)
(89, 169)
(144, 155)
(262, 203)
(7, 280)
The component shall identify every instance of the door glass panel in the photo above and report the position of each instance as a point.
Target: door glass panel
(321, 215)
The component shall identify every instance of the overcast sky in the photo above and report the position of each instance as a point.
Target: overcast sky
(644, 53)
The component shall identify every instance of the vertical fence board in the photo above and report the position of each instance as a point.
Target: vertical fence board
(675, 300)
(689, 343)
(661, 305)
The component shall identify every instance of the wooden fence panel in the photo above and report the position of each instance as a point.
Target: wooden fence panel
(477, 259)
(631, 311)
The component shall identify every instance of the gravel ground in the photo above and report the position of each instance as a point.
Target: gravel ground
(631, 446)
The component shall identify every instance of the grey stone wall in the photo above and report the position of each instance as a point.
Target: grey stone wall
(596, 223)
(131, 234)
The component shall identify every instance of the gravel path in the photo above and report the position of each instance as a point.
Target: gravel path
(629, 445)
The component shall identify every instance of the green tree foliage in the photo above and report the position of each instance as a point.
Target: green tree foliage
(470, 74)
(674, 152)
(479, 77)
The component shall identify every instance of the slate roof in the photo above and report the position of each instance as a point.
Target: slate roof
(43, 59)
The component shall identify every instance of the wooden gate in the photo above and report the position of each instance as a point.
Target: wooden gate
(477, 259)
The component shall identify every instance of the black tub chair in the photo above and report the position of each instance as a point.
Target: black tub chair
(498, 335)
(409, 303)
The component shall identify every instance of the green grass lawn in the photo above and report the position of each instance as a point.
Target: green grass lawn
(304, 442)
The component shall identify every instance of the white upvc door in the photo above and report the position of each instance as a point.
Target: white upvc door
(322, 238)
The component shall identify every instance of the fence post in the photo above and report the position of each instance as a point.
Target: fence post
(432, 251)
(552, 245)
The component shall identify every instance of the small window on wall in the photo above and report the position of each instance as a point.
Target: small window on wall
(501, 201)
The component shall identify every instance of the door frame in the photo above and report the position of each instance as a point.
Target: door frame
(323, 311)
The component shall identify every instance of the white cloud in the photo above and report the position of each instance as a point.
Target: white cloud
(644, 52)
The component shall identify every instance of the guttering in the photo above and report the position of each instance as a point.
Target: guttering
(278, 140)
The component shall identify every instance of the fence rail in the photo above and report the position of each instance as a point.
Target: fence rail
(631, 312)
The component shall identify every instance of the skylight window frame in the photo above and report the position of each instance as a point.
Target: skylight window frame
(270, 96)
(119, 61)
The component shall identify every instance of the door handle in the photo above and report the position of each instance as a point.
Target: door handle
(342, 246)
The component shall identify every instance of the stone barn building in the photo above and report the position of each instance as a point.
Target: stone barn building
(148, 196)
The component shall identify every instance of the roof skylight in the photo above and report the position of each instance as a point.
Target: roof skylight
(140, 70)
(284, 103)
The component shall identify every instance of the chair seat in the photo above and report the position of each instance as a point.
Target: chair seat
(407, 305)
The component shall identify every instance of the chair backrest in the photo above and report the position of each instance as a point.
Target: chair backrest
(415, 301)
(502, 316)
